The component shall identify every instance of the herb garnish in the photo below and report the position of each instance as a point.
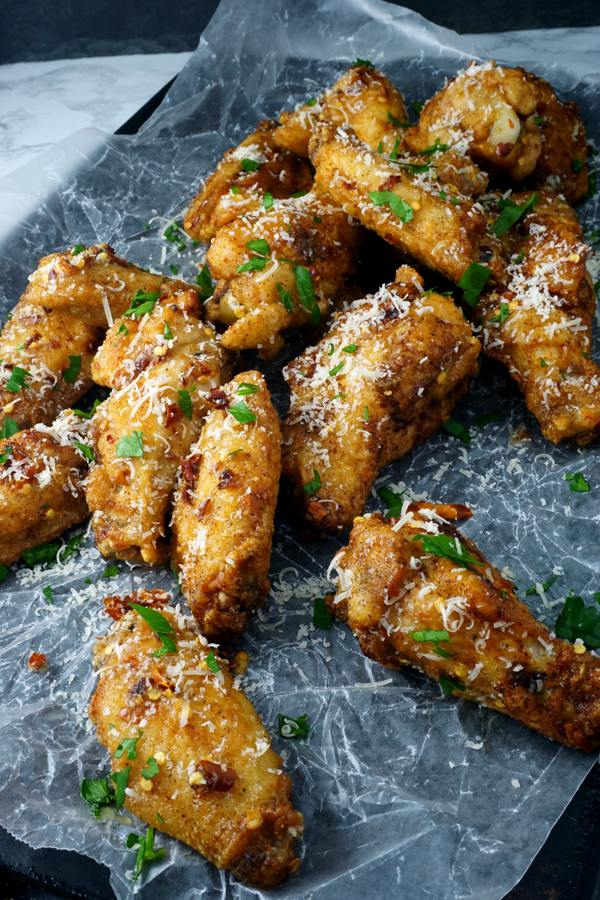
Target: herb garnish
(131, 445)
(311, 487)
(418, 106)
(87, 451)
(511, 213)
(545, 586)
(250, 165)
(241, 413)
(397, 205)
(577, 620)
(488, 418)
(247, 388)
(120, 779)
(185, 404)
(268, 200)
(578, 165)
(435, 637)
(153, 769)
(77, 249)
(322, 618)
(306, 292)
(16, 382)
(396, 121)
(9, 427)
(436, 147)
(362, 62)
(333, 372)
(290, 728)
(97, 792)
(160, 626)
(127, 745)
(457, 430)
(142, 303)
(204, 282)
(473, 282)
(448, 548)
(448, 685)
(145, 850)
(285, 297)
(87, 415)
(393, 500)
(502, 316)
(577, 483)
(47, 592)
(212, 664)
(110, 572)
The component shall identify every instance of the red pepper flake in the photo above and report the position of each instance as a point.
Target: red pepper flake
(504, 149)
(37, 662)
(174, 414)
(225, 479)
(218, 398)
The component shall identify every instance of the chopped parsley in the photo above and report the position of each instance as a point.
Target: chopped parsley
(394, 153)
(418, 106)
(488, 418)
(539, 120)
(473, 282)
(546, 585)
(592, 186)
(285, 297)
(212, 664)
(87, 451)
(306, 292)
(302, 193)
(311, 102)
(253, 265)
(333, 372)
(185, 404)
(511, 213)
(502, 316)
(4, 570)
(393, 500)
(520, 257)
(448, 685)
(366, 414)
(77, 249)
(434, 637)
(46, 553)
(175, 574)
(127, 745)
(97, 792)
(311, 487)
(577, 483)
(120, 779)
(247, 388)
(268, 200)
(172, 235)
(145, 850)
(167, 333)
(204, 282)
(578, 165)
(123, 329)
(577, 620)
(110, 572)
(47, 592)
(414, 169)
(241, 413)
(331, 350)
(317, 220)
(358, 62)
(259, 246)
(174, 269)
(322, 618)
(160, 626)
(291, 728)
(250, 165)
(142, 303)
(234, 189)
(16, 382)
(131, 445)
(4, 458)
(396, 121)
(380, 147)
(9, 427)
(87, 415)
(448, 548)
(457, 430)
(436, 147)
(397, 205)
(350, 348)
(543, 363)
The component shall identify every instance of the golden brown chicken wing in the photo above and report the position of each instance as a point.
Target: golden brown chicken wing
(45, 361)
(279, 269)
(92, 284)
(224, 510)
(386, 375)
(362, 98)
(539, 322)
(416, 593)
(140, 433)
(409, 208)
(219, 787)
(486, 112)
(243, 179)
(41, 484)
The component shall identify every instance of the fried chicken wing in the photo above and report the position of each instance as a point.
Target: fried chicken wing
(432, 222)
(223, 513)
(486, 112)
(140, 433)
(92, 285)
(220, 787)
(242, 179)
(45, 361)
(41, 484)
(539, 322)
(562, 163)
(386, 375)
(363, 98)
(462, 624)
(258, 303)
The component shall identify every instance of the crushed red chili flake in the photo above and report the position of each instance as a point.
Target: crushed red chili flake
(174, 414)
(225, 479)
(190, 466)
(216, 778)
(116, 607)
(218, 398)
(37, 662)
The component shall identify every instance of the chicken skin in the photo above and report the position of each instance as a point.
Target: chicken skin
(455, 618)
(41, 484)
(539, 323)
(242, 181)
(220, 787)
(427, 219)
(92, 284)
(386, 376)
(224, 510)
(486, 112)
(279, 269)
(362, 98)
(140, 433)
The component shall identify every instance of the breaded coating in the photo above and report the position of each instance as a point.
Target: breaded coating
(562, 164)
(45, 363)
(386, 376)
(308, 231)
(138, 342)
(220, 786)
(539, 323)
(362, 98)
(487, 646)
(139, 435)
(93, 285)
(446, 236)
(41, 484)
(224, 510)
(486, 112)
(242, 178)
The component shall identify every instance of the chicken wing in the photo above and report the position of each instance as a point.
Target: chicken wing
(242, 179)
(562, 163)
(219, 787)
(539, 322)
(41, 484)
(416, 593)
(45, 361)
(279, 269)
(363, 98)
(224, 510)
(92, 284)
(140, 433)
(486, 112)
(386, 375)
(427, 219)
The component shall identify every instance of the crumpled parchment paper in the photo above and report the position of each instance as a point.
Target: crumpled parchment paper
(404, 791)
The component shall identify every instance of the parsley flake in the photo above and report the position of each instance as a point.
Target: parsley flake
(362, 62)
(87, 415)
(311, 487)
(397, 205)
(185, 404)
(123, 329)
(174, 269)
(291, 728)
(502, 316)
(16, 382)
(127, 745)
(448, 685)
(9, 427)
(306, 292)
(145, 850)
(350, 348)
(448, 548)
(77, 249)
(250, 165)
(333, 372)
(366, 413)
(577, 620)
(546, 585)
(473, 282)
(488, 418)
(322, 618)
(311, 102)
(153, 770)
(160, 626)
(212, 664)
(241, 413)
(120, 779)
(47, 592)
(167, 333)
(457, 430)
(393, 500)
(577, 483)
(131, 445)
(204, 282)
(259, 246)
(87, 451)
(436, 147)
(511, 213)
(578, 165)
(110, 572)
(247, 388)
(543, 363)
(4, 570)
(268, 200)
(285, 297)
(253, 265)
(97, 792)
(142, 303)
(418, 106)
(396, 121)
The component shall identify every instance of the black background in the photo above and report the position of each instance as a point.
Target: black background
(568, 867)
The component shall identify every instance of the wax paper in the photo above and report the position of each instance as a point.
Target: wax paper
(405, 792)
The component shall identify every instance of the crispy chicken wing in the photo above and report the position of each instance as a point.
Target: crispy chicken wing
(140, 433)
(93, 284)
(41, 484)
(486, 112)
(224, 510)
(539, 322)
(362, 97)
(258, 303)
(220, 786)
(462, 624)
(242, 179)
(446, 236)
(385, 376)
(45, 361)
